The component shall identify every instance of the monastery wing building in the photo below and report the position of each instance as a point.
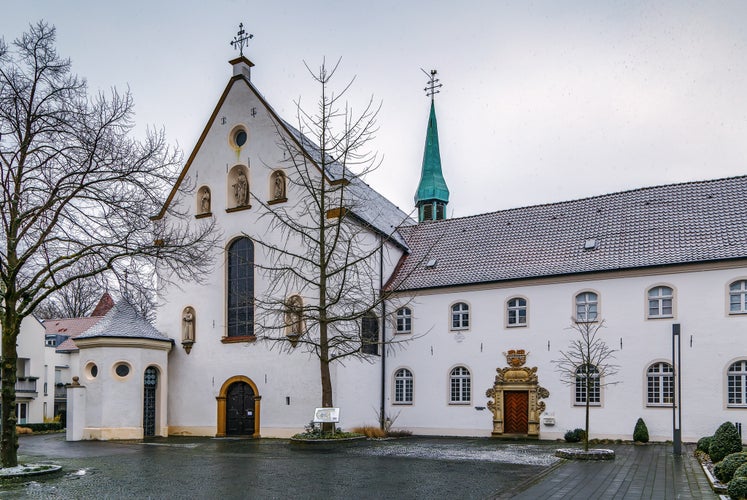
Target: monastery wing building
(479, 307)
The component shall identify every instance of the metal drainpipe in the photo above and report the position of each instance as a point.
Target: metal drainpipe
(382, 416)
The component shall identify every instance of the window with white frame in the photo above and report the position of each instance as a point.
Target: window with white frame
(404, 320)
(736, 384)
(459, 316)
(460, 386)
(660, 301)
(738, 297)
(587, 383)
(660, 383)
(587, 306)
(403, 386)
(517, 312)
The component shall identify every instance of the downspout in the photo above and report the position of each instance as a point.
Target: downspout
(382, 415)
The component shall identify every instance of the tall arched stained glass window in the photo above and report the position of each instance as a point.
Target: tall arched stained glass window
(240, 288)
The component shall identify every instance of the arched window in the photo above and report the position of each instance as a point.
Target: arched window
(459, 316)
(403, 386)
(294, 324)
(404, 320)
(370, 334)
(240, 314)
(460, 390)
(516, 312)
(738, 297)
(660, 302)
(660, 382)
(587, 383)
(587, 307)
(736, 384)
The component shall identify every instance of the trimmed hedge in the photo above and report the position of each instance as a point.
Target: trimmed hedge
(741, 471)
(640, 433)
(47, 426)
(574, 436)
(737, 489)
(725, 441)
(725, 469)
(704, 444)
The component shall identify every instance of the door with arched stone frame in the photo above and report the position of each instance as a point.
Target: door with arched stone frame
(238, 408)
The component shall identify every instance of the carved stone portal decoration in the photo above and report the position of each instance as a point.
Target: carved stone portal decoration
(516, 378)
(188, 328)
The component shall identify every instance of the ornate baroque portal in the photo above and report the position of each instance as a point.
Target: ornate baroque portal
(516, 395)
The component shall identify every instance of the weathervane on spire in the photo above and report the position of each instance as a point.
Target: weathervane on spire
(241, 39)
(433, 83)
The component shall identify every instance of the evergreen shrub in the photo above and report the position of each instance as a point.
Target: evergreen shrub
(737, 489)
(704, 443)
(46, 426)
(741, 471)
(640, 433)
(574, 436)
(725, 441)
(725, 469)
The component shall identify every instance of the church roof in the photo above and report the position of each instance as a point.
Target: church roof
(123, 321)
(432, 185)
(655, 226)
(365, 202)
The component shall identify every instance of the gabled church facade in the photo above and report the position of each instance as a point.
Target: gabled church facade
(483, 305)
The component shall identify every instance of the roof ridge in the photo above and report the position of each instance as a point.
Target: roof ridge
(575, 200)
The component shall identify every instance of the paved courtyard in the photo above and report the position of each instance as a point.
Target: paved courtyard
(407, 468)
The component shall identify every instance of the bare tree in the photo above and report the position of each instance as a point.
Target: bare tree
(325, 272)
(73, 301)
(76, 196)
(587, 365)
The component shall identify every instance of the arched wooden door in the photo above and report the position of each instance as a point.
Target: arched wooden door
(240, 410)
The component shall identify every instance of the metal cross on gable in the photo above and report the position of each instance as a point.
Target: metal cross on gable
(433, 83)
(241, 39)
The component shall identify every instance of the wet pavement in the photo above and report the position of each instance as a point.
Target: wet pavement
(270, 468)
(420, 467)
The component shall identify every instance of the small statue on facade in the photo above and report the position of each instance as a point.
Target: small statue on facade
(205, 201)
(241, 190)
(278, 192)
(188, 328)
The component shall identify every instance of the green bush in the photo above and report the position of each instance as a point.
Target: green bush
(46, 426)
(640, 433)
(737, 489)
(725, 469)
(725, 441)
(574, 436)
(704, 444)
(741, 471)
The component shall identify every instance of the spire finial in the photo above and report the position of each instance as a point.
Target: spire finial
(433, 83)
(241, 39)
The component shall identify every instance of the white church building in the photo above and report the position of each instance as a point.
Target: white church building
(486, 302)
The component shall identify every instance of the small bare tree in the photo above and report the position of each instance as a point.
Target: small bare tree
(587, 365)
(76, 197)
(325, 277)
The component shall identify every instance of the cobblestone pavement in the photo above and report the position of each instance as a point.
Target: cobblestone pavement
(407, 468)
(650, 471)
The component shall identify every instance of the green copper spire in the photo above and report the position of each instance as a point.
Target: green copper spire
(432, 194)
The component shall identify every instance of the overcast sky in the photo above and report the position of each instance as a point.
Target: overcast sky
(541, 101)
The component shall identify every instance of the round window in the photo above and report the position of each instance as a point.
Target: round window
(239, 137)
(122, 370)
(92, 370)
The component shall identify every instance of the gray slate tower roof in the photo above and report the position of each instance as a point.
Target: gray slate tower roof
(123, 321)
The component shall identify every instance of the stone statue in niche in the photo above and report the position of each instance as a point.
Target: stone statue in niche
(188, 325)
(205, 201)
(241, 189)
(278, 186)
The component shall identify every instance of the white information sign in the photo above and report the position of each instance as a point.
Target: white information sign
(324, 415)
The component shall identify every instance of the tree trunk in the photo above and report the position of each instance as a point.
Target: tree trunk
(9, 359)
(586, 437)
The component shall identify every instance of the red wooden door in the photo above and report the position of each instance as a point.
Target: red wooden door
(515, 412)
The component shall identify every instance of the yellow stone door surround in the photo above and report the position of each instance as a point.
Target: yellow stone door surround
(516, 377)
(221, 399)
